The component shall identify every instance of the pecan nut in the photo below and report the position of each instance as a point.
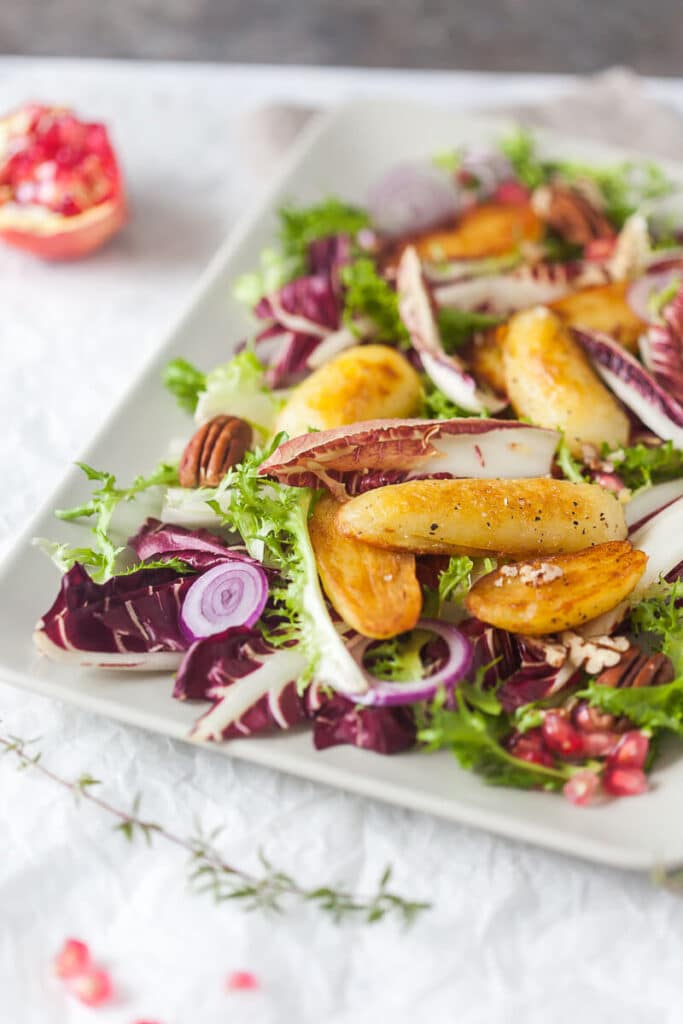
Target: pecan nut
(570, 213)
(636, 668)
(212, 450)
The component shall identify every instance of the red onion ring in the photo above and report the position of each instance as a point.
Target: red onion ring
(233, 593)
(384, 693)
(410, 198)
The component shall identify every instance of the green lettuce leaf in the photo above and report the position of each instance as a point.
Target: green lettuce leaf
(369, 298)
(238, 388)
(641, 466)
(648, 707)
(101, 558)
(185, 382)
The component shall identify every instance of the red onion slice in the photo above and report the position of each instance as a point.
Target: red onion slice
(384, 693)
(412, 197)
(641, 291)
(231, 594)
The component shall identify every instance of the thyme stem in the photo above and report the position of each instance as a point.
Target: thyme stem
(209, 871)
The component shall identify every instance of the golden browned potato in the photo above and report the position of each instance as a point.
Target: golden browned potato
(487, 230)
(547, 595)
(518, 517)
(486, 358)
(603, 308)
(374, 590)
(363, 383)
(550, 382)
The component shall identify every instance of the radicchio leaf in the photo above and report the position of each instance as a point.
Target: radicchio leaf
(384, 730)
(200, 549)
(130, 621)
(544, 669)
(352, 459)
(527, 286)
(634, 385)
(329, 255)
(418, 312)
(662, 348)
(300, 315)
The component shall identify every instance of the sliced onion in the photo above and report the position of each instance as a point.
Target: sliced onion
(641, 291)
(412, 197)
(231, 594)
(384, 693)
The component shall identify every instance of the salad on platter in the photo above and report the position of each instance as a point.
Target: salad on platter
(435, 500)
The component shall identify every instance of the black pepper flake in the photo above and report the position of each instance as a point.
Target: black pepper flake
(434, 526)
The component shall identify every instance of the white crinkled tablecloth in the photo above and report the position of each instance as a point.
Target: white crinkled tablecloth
(515, 933)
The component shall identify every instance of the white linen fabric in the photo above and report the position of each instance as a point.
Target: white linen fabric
(515, 933)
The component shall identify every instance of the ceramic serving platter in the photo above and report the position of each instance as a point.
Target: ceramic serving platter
(339, 154)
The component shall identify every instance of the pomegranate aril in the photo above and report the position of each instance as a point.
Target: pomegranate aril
(72, 959)
(624, 781)
(511, 192)
(588, 719)
(93, 988)
(630, 751)
(241, 981)
(582, 788)
(529, 746)
(560, 735)
(600, 249)
(599, 744)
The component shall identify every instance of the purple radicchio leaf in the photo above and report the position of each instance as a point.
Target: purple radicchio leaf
(418, 312)
(662, 348)
(386, 730)
(252, 685)
(544, 669)
(199, 548)
(349, 460)
(328, 256)
(300, 314)
(130, 621)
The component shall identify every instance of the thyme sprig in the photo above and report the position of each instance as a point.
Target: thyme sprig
(210, 874)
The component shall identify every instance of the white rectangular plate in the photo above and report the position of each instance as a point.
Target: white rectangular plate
(341, 154)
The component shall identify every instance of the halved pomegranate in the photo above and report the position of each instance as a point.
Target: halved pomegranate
(61, 193)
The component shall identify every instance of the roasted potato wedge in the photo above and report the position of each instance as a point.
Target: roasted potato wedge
(363, 383)
(537, 516)
(485, 356)
(550, 382)
(603, 308)
(374, 590)
(560, 592)
(487, 230)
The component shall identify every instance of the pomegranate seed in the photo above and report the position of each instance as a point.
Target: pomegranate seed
(560, 735)
(72, 959)
(630, 751)
(93, 988)
(625, 781)
(511, 192)
(600, 249)
(529, 746)
(600, 744)
(241, 981)
(588, 719)
(582, 788)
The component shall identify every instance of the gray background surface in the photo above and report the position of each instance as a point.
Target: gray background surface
(512, 35)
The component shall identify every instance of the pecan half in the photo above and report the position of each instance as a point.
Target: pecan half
(212, 450)
(570, 213)
(638, 669)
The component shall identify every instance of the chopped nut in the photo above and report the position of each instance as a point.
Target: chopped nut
(596, 654)
(571, 213)
(544, 573)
